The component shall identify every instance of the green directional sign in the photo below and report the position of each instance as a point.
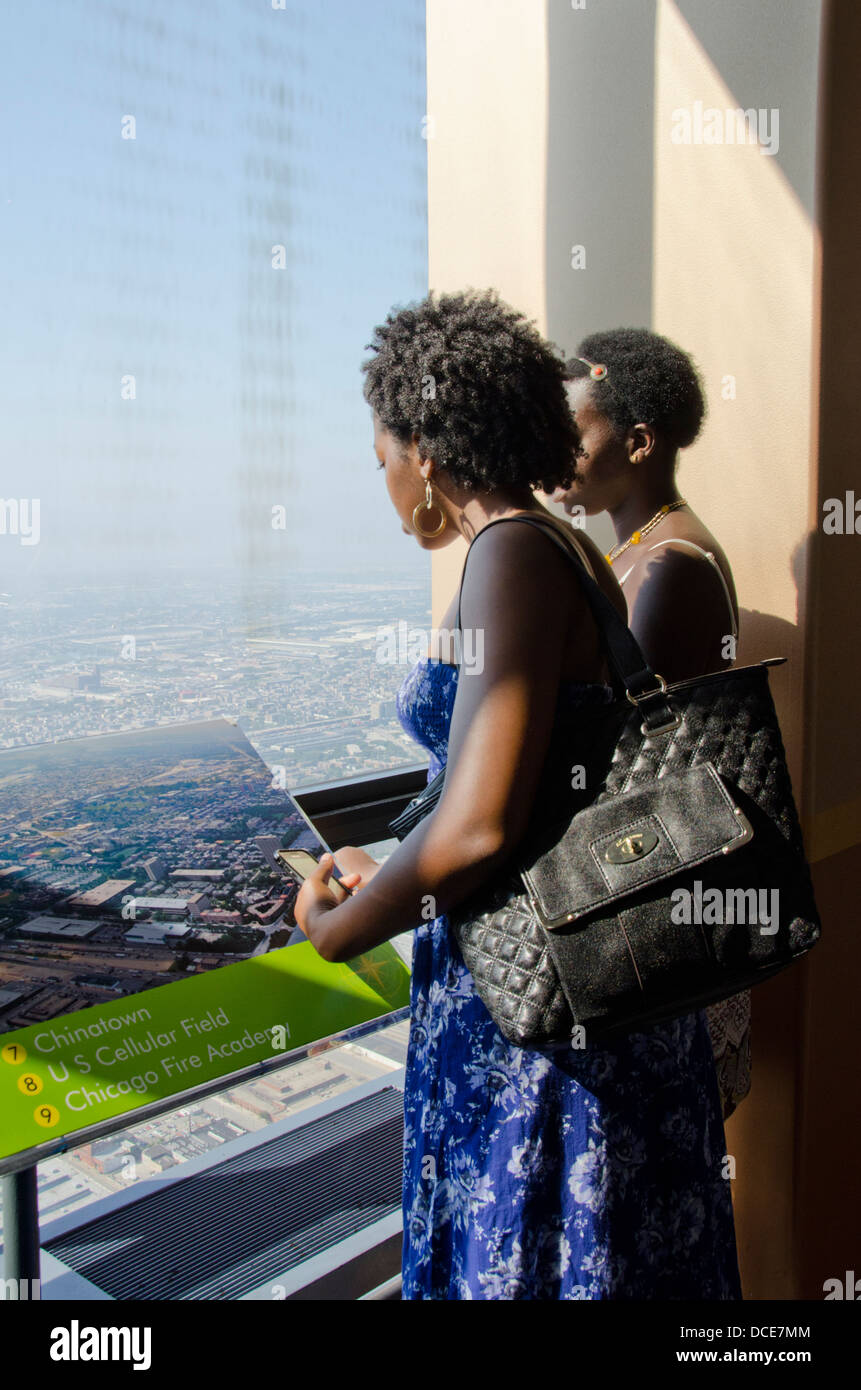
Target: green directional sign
(147, 940)
(112, 1059)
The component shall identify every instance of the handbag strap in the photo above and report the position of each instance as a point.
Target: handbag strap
(628, 665)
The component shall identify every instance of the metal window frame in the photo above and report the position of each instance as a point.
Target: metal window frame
(357, 811)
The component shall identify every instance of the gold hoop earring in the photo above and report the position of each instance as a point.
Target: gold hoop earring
(428, 505)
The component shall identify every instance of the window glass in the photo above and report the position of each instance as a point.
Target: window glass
(207, 211)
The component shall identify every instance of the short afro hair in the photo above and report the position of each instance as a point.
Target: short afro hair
(480, 387)
(649, 380)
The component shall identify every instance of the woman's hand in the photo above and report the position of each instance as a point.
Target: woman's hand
(319, 896)
(351, 860)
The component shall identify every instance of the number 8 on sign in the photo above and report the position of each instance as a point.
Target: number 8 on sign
(30, 1084)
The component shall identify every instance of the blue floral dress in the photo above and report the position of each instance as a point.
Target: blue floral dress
(555, 1174)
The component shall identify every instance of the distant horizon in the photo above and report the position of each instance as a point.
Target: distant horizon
(63, 575)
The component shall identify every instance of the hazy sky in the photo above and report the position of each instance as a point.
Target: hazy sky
(151, 258)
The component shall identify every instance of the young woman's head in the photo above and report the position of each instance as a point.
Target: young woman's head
(637, 399)
(469, 398)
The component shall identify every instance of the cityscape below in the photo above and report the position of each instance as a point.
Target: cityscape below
(302, 664)
(297, 666)
(132, 859)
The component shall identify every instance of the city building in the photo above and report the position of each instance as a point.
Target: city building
(105, 895)
(59, 928)
(155, 869)
(157, 933)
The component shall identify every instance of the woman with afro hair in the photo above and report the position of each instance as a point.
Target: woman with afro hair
(528, 1174)
(637, 400)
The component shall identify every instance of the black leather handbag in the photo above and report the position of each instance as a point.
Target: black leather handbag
(663, 869)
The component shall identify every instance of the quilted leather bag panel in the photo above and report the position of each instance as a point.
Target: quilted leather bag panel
(567, 938)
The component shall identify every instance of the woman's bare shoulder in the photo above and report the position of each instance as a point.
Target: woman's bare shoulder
(520, 550)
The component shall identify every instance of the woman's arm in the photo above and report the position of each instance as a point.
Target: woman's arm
(518, 593)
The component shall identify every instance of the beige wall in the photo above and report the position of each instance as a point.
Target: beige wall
(487, 128)
(536, 148)
(733, 280)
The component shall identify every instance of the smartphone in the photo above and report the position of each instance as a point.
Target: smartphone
(301, 863)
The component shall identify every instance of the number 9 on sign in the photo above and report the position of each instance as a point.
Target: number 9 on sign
(47, 1116)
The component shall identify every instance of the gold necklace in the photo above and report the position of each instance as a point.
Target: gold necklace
(636, 536)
